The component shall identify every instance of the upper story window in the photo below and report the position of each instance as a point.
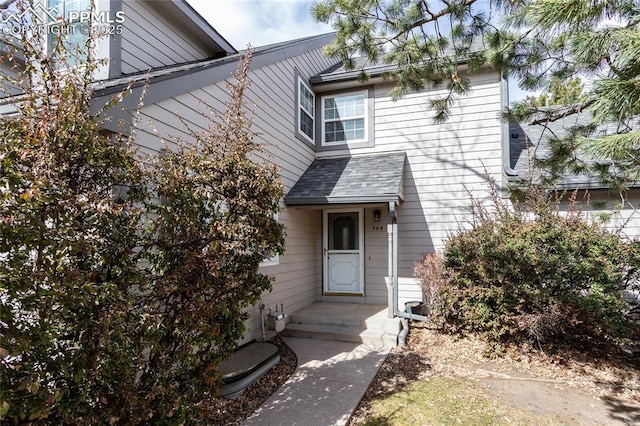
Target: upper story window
(333, 121)
(344, 118)
(306, 111)
(69, 27)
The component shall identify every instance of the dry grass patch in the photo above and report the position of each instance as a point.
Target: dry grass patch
(445, 379)
(446, 401)
(602, 371)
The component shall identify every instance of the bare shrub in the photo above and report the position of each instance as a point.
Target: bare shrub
(431, 273)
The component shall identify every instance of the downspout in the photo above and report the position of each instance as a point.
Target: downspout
(394, 254)
(394, 279)
(506, 133)
(390, 291)
(402, 337)
(394, 268)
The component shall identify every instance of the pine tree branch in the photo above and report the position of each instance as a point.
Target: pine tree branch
(569, 111)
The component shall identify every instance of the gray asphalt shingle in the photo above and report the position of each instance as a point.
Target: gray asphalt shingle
(372, 178)
(527, 142)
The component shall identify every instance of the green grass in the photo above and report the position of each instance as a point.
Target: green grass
(447, 401)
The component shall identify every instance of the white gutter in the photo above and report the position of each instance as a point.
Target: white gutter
(506, 133)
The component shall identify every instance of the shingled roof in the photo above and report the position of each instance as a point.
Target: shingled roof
(528, 141)
(347, 180)
(338, 72)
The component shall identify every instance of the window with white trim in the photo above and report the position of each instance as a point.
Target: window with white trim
(306, 111)
(275, 259)
(344, 118)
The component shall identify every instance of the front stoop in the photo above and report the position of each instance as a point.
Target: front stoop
(345, 322)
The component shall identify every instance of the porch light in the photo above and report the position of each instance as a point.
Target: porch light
(376, 215)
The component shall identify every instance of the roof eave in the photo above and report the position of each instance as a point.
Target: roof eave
(204, 27)
(520, 181)
(377, 72)
(316, 201)
(350, 75)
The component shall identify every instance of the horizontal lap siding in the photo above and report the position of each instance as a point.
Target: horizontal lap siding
(602, 205)
(444, 162)
(376, 254)
(150, 40)
(271, 97)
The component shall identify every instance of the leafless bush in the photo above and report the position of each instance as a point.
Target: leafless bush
(431, 273)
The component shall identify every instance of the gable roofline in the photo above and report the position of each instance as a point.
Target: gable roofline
(203, 27)
(338, 73)
(167, 82)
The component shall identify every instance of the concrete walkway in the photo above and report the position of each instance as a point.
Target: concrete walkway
(327, 386)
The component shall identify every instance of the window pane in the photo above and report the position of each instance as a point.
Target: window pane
(63, 7)
(306, 124)
(343, 232)
(344, 106)
(334, 131)
(74, 40)
(344, 131)
(330, 111)
(306, 99)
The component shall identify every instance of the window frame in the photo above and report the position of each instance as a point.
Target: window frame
(275, 259)
(299, 80)
(301, 109)
(368, 141)
(325, 120)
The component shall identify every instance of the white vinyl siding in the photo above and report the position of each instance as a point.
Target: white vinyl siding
(344, 118)
(306, 111)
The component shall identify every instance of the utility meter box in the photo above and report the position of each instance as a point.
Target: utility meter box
(277, 321)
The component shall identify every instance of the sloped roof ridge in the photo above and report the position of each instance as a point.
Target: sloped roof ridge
(286, 43)
(186, 67)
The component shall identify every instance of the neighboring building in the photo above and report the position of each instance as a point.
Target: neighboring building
(530, 142)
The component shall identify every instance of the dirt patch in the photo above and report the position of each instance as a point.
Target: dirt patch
(561, 400)
(602, 387)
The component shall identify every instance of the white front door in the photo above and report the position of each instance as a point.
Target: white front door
(343, 252)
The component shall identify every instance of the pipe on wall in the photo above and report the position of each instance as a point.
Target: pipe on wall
(394, 267)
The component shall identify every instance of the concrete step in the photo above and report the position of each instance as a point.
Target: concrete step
(379, 322)
(345, 315)
(374, 337)
(346, 322)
